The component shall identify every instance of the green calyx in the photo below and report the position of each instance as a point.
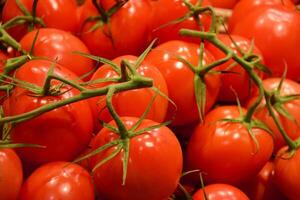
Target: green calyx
(27, 18)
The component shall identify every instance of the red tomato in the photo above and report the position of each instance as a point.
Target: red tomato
(11, 174)
(127, 31)
(58, 180)
(59, 46)
(180, 79)
(239, 80)
(291, 127)
(176, 9)
(55, 13)
(134, 102)
(220, 192)
(287, 175)
(155, 164)
(224, 4)
(3, 59)
(262, 187)
(244, 7)
(224, 151)
(65, 131)
(280, 47)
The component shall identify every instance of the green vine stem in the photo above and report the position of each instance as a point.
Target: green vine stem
(134, 83)
(248, 65)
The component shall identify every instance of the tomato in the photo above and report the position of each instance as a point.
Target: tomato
(291, 127)
(55, 13)
(59, 46)
(176, 9)
(220, 192)
(262, 187)
(11, 174)
(239, 80)
(64, 132)
(3, 59)
(244, 7)
(224, 151)
(286, 174)
(133, 102)
(180, 79)
(155, 164)
(224, 4)
(280, 47)
(58, 180)
(126, 32)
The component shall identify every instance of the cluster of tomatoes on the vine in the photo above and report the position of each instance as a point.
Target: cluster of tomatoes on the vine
(149, 100)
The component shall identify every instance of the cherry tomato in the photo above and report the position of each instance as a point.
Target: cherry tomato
(58, 180)
(244, 7)
(262, 187)
(134, 102)
(155, 164)
(3, 59)
(238, 80)
(220, 192)
(224, 4)
(176, 9)
(59, 46)
(224, 151)
(180, 78)
(286, 174)
(280, 47)
(290, 126)
(127, 32)
(64, 132)
(11, 174)
(55, 14)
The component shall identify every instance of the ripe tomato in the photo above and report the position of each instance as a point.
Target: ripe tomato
(280, 48)
(127, 32)
(58, 180)
(224, 151)
(220, 192)
(65, 131)
(55, 13)
(291, 127)
(180, 78)
(262, 187)
(244, 7)
(133, 102)
(59, 46)
(286, 174)
(224, 4)
(155, 164)
(176, 9)
(239, 80)
(3, 59)
(11, 174)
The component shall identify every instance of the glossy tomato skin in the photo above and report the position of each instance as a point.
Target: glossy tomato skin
(224, 4)
(3, 59)
(176, 9)
(180, 79)
(286, 174)
(55, 13)
(225, 151)
(220, 192)
(291, 127)
(238, 81)
(280, 47)
(11, 174)
(244, 7)
(133, 102)
(58, 180)
(262, 187)
(59, 46)
(127, 32)
(155, 164)
(64, 132)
